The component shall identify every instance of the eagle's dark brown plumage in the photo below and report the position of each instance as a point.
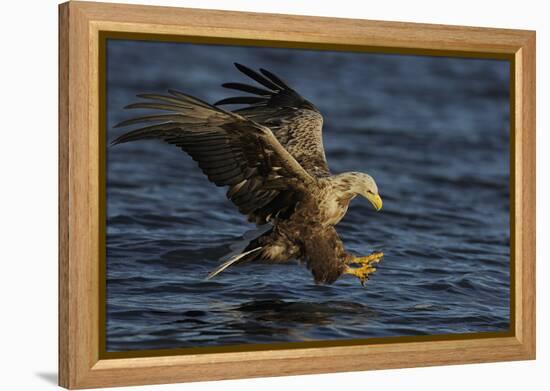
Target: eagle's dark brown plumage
(270, 155)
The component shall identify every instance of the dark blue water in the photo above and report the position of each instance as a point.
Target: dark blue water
(434, 134)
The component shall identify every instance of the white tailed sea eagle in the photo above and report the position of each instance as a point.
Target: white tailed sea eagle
(270, 155)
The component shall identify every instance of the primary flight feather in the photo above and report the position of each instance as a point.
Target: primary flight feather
(270, 155)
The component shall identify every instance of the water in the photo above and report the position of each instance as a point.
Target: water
(432, 131)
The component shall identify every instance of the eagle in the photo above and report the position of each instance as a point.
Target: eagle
(270, 155)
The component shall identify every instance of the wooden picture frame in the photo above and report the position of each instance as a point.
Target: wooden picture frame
(81, 25)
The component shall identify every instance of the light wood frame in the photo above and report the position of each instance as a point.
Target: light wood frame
(80, 26)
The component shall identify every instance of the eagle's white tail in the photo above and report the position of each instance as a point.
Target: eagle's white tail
(232, 261)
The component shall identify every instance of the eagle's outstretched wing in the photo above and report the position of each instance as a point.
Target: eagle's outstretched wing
(296, 123)
(264, 179)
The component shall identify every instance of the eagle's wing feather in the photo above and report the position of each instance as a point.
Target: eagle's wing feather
(295, 122)
(263, 178)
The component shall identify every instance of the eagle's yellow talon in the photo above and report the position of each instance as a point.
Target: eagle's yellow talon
(369, 259)
(362, 273)
(366, 269)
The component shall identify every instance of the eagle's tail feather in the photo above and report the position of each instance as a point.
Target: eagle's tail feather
(240, 258)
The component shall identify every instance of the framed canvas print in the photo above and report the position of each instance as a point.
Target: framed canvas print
(248, 195)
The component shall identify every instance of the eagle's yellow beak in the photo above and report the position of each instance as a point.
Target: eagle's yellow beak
(375, 200)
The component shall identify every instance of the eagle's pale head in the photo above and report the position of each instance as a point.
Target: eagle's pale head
(358, 183)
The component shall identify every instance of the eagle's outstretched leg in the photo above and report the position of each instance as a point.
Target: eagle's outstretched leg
(368, 259)
(367, 267)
